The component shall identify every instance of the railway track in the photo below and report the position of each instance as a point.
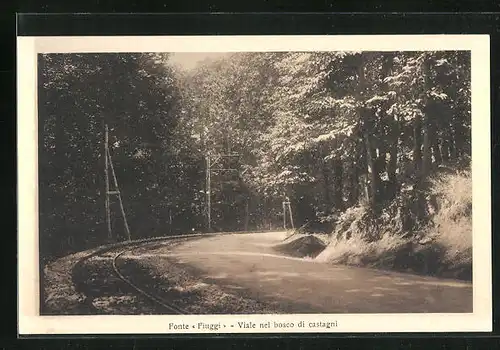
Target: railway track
(139, 290)
(114, 253)
(111, 256)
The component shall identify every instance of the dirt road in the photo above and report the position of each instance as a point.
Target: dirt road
(246, 264)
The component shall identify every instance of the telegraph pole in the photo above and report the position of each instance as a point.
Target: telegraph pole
(291, 216)
(284, 216)
(108, 163)
(210, 167)
(106, 174)
(286, 205)
(117, 193)
(209, 203)
(247, 218)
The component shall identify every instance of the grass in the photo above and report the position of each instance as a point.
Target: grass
(453, 222)
(442, 248)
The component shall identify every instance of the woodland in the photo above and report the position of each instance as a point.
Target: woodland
(337, 134)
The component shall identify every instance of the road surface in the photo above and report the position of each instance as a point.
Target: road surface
(249, 264)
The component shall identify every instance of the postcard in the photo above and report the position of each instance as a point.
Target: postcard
(254, 184)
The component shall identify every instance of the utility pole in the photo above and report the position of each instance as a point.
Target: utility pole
(247, 218)
(286, 205)
(106, 174)
(210, 167)
(209, 203)
(170, 219)
(284, 215)
(109, 163)
(291, 216)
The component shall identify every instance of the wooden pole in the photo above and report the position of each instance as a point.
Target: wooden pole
(284, 216)
(106, 175)
(209, 204)
(170, 219)
(291, 216)
(246, 216)
(117, 192)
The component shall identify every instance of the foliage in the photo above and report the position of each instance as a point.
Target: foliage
(350, 138)
(333, 130)
(137, 96)
(443, 247)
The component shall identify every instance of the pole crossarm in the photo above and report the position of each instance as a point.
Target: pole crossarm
(211, 161)
(214, 161)
(220, 156)
(225, 169)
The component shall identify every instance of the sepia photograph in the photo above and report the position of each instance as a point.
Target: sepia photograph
(283, 182)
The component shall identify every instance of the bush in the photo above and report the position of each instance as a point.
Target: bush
(453, 220)
(441, 247)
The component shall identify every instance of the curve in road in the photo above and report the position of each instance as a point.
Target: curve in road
(250, 265)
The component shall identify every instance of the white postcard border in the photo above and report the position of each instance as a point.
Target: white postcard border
(28, 273)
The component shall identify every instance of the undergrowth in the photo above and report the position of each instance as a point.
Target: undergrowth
(436, 241)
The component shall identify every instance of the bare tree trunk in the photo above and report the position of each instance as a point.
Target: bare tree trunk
(436, 149)
(361, 170)
(445, 149)
(391, 146)
(326, 185)
(372, 172)
(452, 144)
(458, 138)
(426, 159)
(338, 179)
(367, 124)
(353, 185)
(417, 155)
(381, 167)
(393, 162)
(247, 213)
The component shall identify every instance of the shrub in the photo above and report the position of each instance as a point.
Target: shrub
(439, 245)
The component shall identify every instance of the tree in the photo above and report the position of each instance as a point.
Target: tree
(329, 127)
(137, 96)
(328, 130)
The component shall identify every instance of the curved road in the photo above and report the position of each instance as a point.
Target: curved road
(248, 262)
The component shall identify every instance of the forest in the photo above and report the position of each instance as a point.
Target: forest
(343, 136)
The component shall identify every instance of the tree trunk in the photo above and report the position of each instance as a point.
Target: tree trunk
(436, 149)
(445, 149)
(372, 174)
(380, 168)
(426, 156)
(338, 179)
(361, 170)
(247, 213)
(458, 138)
(390, 146)
(367, 124)
(393, 161)
(371, 169)
(326, 185)
(426, 123)
(452, 144)
(417, 155)
(353, 185)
